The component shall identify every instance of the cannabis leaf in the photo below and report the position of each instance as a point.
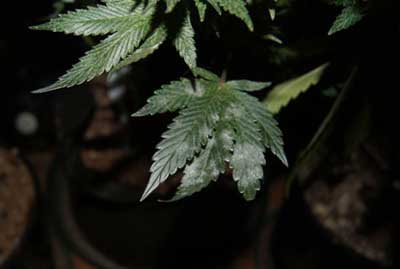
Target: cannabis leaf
(151, 44)
(171, 4)
(218, 123)
(99, 20)
(201, 8)
(209, 163)
(283, 93)
(237, 8)
(170, 97)
(184, 42)
(214, 4)
(133, 34)
(271, 134)
(350, 15)
(205, 74)
(246, 85)
(108, 53)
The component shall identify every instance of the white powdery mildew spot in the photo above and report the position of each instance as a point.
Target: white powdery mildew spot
(200, 88)
(214, 117)
(191, 171)
(162, 102)
(182, 149)
(255, 173)
(226, 136)
(189, 89)
(249, 160)
(204, 131)
(234, 112)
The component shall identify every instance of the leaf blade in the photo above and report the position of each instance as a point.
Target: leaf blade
(210, 163)
(99, 20)
(248, 152)
(348, 17)
(201, 9)
(205, 74)
(152, 43)
(247, 85)
(283, 93)
(171, 97)
(184, 137)
(171, 5)
(237, 8)
(271, 134)
(104, 56)
(185, 44)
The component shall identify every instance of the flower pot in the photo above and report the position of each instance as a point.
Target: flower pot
(18, 204)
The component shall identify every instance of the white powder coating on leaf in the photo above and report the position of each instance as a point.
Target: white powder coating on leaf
(247, 162)
(200, 88)
(205, 132)
(219, 125)
(210, 162)
(234, 111)
(162, 102)
(171, 97)
(192, 127)
(183, 147)
(227, 139)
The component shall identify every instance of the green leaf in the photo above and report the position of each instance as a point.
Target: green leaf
(107, 54)
(99, 20)
(185, 44)
(129, 25)
(271, 134)
(151, 44)
(247, 164)
(248, 153)
(283, 93)
(350, 15)
(217, 124)
(247, 85)
(273, 38)
(201, 8)
(205, 74)
(184, 137)
(171, 97)
(214, 4)
(207, 166)
(237, 8)
(171, 4)
(272, 13)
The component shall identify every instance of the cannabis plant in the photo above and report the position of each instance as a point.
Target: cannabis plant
(219, 125)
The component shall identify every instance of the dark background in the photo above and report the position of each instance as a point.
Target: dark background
(216, 228)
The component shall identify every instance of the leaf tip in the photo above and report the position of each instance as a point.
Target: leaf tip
(44, 90)
(35, 27)
(332, 31)
(284, 160)
(151, 186)
(144, 195)
(140, 113)
(173, 199)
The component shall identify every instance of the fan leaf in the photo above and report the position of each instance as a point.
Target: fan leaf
(283, 93)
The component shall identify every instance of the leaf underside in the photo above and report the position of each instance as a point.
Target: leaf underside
(350, 15)
(283, 93)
